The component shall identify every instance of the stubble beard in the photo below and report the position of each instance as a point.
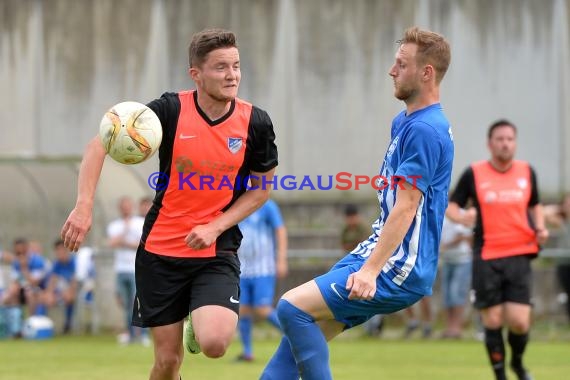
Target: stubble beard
(404, 93)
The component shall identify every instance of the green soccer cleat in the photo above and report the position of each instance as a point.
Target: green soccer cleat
(189, 339)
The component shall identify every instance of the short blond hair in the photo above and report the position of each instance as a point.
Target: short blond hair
(433, 49)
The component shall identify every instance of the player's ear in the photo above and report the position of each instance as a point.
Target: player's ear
(428, 73)
(194, 73)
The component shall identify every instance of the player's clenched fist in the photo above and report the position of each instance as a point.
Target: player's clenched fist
(362, 285)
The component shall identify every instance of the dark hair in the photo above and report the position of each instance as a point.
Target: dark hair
(433, 49)
(500, 123)
(350, 210)
(207, 40)
(20, 240)
(57, 243)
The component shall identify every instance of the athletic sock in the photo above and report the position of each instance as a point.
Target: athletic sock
(307, 341)
(245, 325)
(518, 344)
(496, 351)
(68, 317)
(282, 365)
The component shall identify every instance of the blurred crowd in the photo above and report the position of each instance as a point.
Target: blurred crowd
(58, 283)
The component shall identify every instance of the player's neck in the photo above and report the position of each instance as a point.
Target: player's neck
(422, 100)
(501, 166)
(213, 108)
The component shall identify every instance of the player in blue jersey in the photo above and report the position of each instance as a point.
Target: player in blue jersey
(397, 264)
(263, 255)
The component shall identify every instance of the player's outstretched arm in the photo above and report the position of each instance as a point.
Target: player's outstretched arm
(79, 220)
(205, 235)
(362, 284)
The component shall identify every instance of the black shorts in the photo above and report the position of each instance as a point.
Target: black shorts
(502, 280)
(169, 288)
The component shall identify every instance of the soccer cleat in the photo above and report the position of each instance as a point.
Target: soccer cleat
(522, 374)
(189, 339)
(410, 328)
(244, 358)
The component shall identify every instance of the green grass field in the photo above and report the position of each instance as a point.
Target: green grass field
(100, 358)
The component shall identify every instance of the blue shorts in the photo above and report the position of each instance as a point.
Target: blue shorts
(388, 299)
(455, 283)
(257, 291)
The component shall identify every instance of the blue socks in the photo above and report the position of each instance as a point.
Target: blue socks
(41, 309)
(308, 344)
(282, 365)
(68, 317)
(245, 324)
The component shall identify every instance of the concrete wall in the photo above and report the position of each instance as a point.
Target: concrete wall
(318, 67)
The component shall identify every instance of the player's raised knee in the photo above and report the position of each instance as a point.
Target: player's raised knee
(214, 348)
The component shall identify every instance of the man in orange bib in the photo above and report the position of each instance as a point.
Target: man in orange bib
(509, 227)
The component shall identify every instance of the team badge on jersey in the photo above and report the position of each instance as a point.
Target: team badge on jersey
(235, 144)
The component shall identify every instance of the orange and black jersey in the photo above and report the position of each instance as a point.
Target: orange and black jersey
(502, 200)
(205, 165)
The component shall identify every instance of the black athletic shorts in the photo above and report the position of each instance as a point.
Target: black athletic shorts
(169, 288)
(502, 280)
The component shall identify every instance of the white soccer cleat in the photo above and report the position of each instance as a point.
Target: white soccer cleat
(189, 339)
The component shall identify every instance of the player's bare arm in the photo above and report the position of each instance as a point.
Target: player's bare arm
(281, 239)
(205, 235)
(362, 284)
(537, 215)
(79, 220)
(457, 215)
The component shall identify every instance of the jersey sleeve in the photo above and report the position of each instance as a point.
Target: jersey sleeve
(167, 108)
(274, 215)
(421, 151)
(261, 142)
(464, 190)
(534, 197)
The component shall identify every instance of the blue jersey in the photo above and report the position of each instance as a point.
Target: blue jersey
(257, 251)
(421, 153)
(64, 269)
(36, 266)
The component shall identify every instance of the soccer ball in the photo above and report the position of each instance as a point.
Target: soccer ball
(130, 132)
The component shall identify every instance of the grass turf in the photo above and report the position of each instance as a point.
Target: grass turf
(98, 358)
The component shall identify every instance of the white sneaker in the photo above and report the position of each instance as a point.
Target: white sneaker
(145, 341)
(123, 339)
(189, 339)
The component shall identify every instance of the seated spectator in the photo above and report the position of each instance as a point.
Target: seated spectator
(62, 283)
(27, 276)
(6, 258)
